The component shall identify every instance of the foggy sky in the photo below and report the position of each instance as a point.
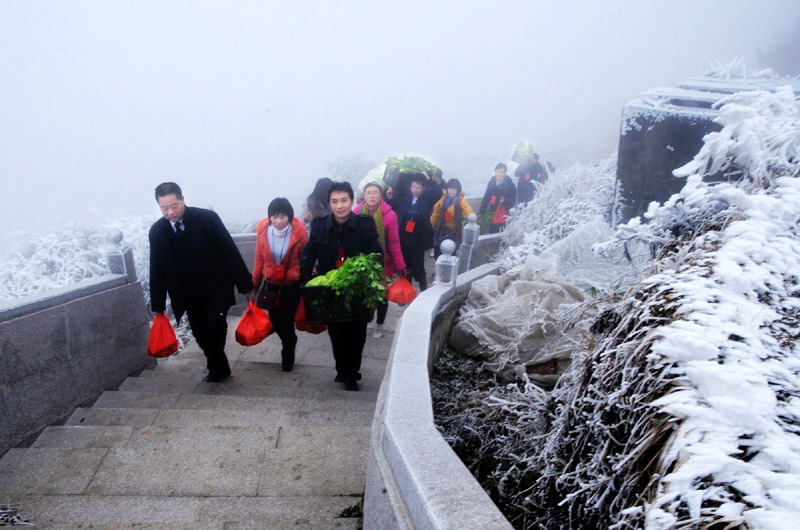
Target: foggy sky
(240, 102)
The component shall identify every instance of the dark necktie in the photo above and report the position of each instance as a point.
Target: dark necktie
(179, 228)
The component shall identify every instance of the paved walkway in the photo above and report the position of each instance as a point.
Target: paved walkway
(263, 449)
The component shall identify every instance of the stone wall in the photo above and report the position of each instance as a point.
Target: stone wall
(247, 248)
(64, 347)
(414, 479)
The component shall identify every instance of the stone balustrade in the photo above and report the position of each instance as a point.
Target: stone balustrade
(63, 347)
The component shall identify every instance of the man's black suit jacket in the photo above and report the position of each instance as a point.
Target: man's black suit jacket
(211, 258)
(357, 236)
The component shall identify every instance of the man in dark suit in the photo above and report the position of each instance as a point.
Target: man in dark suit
(335, 237)
(414, 222)
(193, 259)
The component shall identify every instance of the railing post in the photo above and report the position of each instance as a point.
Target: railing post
(120, 258)
(446, 265)
(469, 243)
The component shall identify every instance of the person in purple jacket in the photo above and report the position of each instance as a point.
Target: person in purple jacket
(386, 223)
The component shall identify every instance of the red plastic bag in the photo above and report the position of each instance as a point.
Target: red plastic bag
(500, 216)
(401, 291)
(162, 342)
(302, 324)
(254, 326)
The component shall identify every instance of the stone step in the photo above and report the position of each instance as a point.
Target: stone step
(117, 399)
(270, 370)
(296, 414)
(112, 417)
(254, 384)
(84, 437)
(276, 523)
(158, 512)
(191, 461)
(187, 380)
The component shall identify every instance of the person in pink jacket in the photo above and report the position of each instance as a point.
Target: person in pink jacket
(386, 222)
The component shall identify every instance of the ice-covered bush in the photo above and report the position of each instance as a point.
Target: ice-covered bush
(71, 253)
(571, 197)
(683, 409)
(78, 251)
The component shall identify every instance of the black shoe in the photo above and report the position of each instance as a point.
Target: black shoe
(351, 386)
(287, 360)
(338, 379)
(216, 377)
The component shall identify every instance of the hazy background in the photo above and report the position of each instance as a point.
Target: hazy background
(240, 102)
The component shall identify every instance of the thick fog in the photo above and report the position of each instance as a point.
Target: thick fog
(240, 102)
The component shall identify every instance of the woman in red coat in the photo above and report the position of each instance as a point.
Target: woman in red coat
(279, 244)
(386, 223)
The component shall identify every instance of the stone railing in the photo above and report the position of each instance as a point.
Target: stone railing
(246, 243)
(64, 347)
(414, 479)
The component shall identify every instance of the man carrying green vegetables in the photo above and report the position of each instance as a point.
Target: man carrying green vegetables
(335, 238)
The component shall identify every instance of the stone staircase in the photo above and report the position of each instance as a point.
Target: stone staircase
(263, 449)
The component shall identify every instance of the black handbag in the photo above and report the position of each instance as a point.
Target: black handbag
(267, 296)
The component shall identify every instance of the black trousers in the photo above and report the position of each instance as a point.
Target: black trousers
(210, 330)
(415, 260)
(383, 308)
(347, 339)
(282, 318)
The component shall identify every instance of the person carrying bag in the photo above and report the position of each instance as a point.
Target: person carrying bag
(500, 192)
(389, 236)
(449, 216)
(280, 239)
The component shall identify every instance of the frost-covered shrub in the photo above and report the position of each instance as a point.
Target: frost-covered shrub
(71, 253)
(571, 197)
(683, 410)
(697, 420)
(77, 251)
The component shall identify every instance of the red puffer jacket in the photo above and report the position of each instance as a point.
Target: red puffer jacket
(264, 267)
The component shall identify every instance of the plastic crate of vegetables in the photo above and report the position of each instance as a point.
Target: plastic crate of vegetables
(323, 307)
(399, 171)
(347, 293)
(522, 153)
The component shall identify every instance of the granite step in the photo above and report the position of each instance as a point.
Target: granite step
(248, 384)
(263, 449)
(250, 378)
(158, 512)
(295, 414)
(199, 401)
(190, 461)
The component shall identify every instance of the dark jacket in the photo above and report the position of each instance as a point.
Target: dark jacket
(506, 189)
(433, 192)
(529, 173)
(421, 238)
(203, 272)
(358, 236)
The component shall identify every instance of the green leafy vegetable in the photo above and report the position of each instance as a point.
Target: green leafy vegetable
(410, 164)
(358, 280)
(525, 149)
